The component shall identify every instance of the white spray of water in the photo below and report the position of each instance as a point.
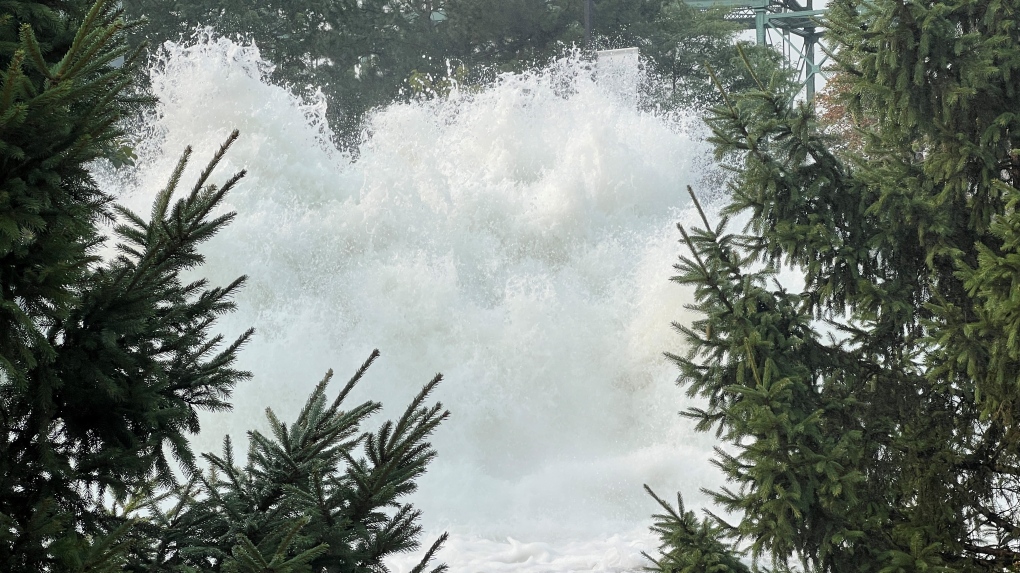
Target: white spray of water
(518, 239)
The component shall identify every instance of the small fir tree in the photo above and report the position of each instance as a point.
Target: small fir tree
(305, 500)
(690, 546)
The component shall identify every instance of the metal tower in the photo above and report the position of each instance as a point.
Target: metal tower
(788, 25)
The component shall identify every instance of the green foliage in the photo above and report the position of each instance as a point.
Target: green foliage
(678, 43)
(359, 53)
(98, 363)
(511, 35)
(871, 413)
(129, 361)
(690, 546)
(247, 558)
(57, 111)
(304, 499)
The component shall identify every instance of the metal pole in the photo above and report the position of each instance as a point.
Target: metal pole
(809, 55)
(759, 25)
(810, 66)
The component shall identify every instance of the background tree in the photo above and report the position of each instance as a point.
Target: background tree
(512, 36)
(363, 54)
(678, 43)
(359, 53)
(871, 415)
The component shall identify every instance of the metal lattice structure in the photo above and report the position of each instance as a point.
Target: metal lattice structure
(793, 28)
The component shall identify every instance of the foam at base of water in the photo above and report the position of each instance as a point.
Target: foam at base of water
(617, 553)
(519, 239)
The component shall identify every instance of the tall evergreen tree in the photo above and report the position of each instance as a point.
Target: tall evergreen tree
(103, 364)
(82, 403)
(84, 399)
(871, 415)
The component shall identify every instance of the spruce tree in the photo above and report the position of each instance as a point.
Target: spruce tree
(105, 362)
(871, 415)
(319, 494)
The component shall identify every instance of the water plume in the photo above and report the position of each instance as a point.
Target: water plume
(518, 238)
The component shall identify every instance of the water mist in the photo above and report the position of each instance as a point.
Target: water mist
(518, 239)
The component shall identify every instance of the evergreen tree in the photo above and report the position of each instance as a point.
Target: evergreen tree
(870, 415)
(304, 498)
(86, 347)
(691, 546)
(104, 363)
